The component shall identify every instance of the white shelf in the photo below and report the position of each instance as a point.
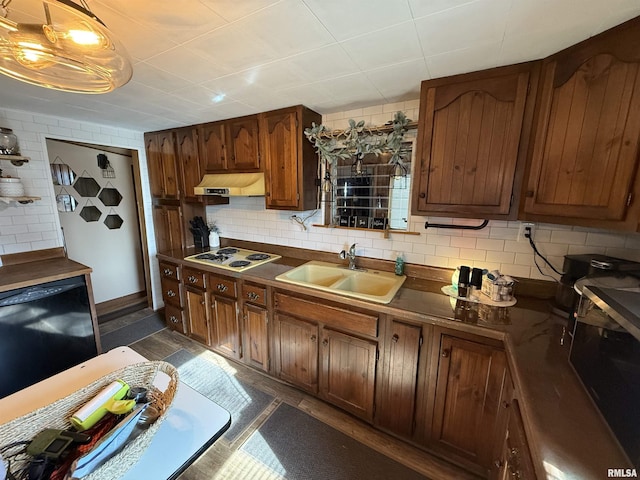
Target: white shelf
(17, 160)
(23, 200)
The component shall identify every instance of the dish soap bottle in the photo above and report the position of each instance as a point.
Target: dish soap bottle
(399, 268)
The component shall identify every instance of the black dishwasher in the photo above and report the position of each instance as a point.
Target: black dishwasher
(44, 329)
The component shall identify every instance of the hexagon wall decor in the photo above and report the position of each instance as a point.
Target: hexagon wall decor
(90, 213)
(110, 197)
(113, 221)
(87, 187)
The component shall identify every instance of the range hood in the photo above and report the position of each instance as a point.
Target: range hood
(232, 185)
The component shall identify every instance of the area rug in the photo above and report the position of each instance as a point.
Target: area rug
(299, 447)
(243, 401)
(133, 332)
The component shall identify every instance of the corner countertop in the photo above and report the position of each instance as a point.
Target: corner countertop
(567, 435)
(40, 271)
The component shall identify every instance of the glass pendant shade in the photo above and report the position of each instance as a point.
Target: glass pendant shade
(73, 51)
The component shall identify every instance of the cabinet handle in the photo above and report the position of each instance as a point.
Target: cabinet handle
(506, 404)
(202, 302)
(529, 193)
(422, 195)
(222, 287)
(498, 463)
(173, 319)
(445, 353)
(395, 338)
(253, 296)
(168, 272)
(313, 338)
(325, 342)
(171, 293)
(192, 279)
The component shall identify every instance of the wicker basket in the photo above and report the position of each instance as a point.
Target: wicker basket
(57, 414)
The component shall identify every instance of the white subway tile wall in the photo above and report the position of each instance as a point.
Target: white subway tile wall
(494, 247)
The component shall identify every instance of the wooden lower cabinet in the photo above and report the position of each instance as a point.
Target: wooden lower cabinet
(348, 372)
(196, 309)
(225, 326)
(256, 336)
(297, 352)
(397, 381)
(466, 395)
(174, 318)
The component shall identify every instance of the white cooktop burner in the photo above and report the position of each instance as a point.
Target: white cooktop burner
(233, 258)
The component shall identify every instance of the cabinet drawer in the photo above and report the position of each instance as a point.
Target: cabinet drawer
(256, 294)
(169, 270)
(193, 278)
(171, 292)
(174, 318)
(225, 287)
(332, 316)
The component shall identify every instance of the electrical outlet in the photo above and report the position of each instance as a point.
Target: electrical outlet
(525, 228)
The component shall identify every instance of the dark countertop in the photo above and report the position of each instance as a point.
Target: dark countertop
(567, 436)
(37, 272)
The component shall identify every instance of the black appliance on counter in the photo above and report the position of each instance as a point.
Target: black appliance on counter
(605, 353)
(44, 329)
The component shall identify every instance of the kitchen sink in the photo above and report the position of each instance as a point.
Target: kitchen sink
(372, 285)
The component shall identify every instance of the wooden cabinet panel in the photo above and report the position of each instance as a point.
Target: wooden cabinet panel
(256, 338)
(338, 318)
(468, 389)
(196, 309)
(169, 270)
(242, 144)
(256, 294)
(161, 161)
(349, 372)
(171, 292)
(585, 153)
(189, 162)
(297, 352)
(194, 278)
(290, 161)
(226, 328)
(169, 231)
(398, 381)
(222, 286)
(468, 143)
(518, 456)
(174, 318)
(211, 140)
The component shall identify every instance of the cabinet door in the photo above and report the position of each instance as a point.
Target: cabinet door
(297, 352)
(398, 381)
(226, 328)
(211, 138)
(278, 135)
(154, 165)
(196, 309)
(242, 144)
(469, 381)
(169, 169)
(349, 372)
(468, 142)
(189, 162)
(168, 227)
(256, 339)
(174, 319)
(588, 130)
(171, 292)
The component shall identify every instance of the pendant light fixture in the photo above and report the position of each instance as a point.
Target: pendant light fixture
(72, 50)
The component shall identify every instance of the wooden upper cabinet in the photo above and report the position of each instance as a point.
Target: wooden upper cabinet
(211, 143)
(167, 220)
(587, 130)
(188, 161)
(242, 144)
(469, 142)
(161, 161)
(290, 161)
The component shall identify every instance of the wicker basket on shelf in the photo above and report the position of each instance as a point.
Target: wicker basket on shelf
(56, 415)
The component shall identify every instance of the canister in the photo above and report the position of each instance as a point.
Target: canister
(11, 187)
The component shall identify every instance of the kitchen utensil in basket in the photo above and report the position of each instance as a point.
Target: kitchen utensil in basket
(57, 415)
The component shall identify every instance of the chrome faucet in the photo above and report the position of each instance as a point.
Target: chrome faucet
(351, 255)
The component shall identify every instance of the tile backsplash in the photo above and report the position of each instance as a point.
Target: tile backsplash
(495, 246)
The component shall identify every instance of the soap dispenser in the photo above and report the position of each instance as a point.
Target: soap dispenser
(399, 268)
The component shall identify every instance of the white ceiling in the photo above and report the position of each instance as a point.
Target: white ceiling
(202, 60)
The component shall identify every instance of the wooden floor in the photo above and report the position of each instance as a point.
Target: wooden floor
(225, 460)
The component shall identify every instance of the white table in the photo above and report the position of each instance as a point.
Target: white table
(192, 425)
